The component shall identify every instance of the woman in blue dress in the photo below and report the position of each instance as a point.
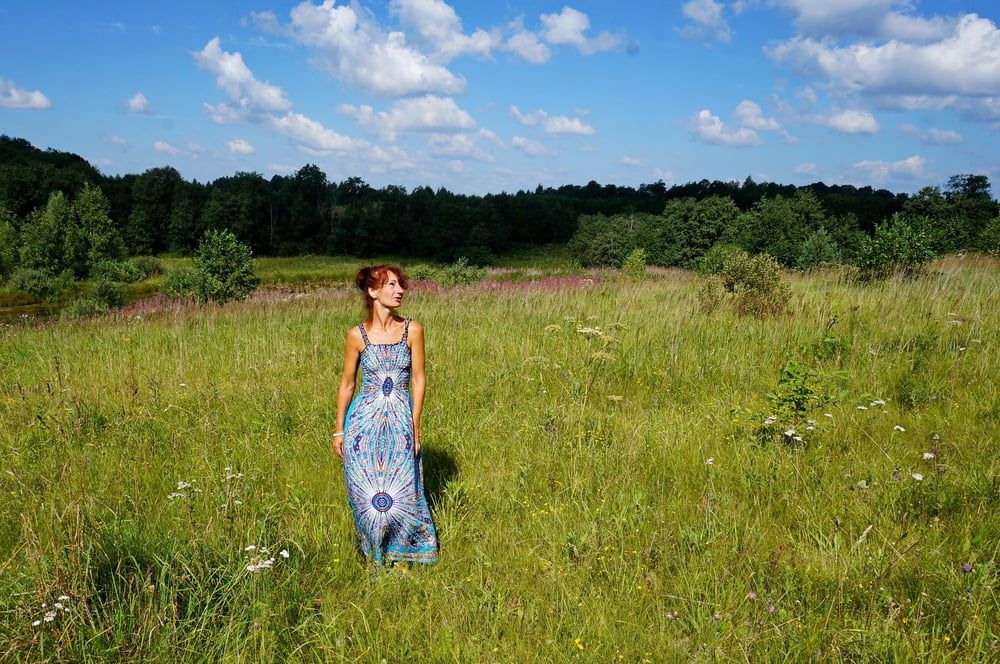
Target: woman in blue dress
(378, 432)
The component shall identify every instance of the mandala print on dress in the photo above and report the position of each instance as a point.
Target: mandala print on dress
(385, 483)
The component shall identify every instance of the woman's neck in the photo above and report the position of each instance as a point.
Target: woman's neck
(382, 318)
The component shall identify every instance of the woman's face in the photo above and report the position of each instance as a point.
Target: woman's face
(390, 295)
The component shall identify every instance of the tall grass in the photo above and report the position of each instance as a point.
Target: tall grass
(594, 459)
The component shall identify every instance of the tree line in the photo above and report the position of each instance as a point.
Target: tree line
(159, 211)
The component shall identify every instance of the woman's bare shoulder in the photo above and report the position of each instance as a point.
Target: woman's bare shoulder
(416, 326)
(354, 337)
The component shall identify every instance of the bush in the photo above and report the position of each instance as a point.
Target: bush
(634, 264)
(223, 268)
(110, 270)
(179, 284)
(149, 265)
(755, 283)
(989, 237)
(711, 261)
(895, 246)
(818, 249)
(32, 281)
(109, 294)
(459, 273)
(421, 272)
(82, 308)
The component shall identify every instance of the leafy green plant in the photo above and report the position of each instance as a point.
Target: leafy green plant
(32, 281)
(150, 265)
(895, 246)
(818, 249)
(712, 260)
(109, 294)
(634, 265)
(82, 308)
(125, 271)
(460, 273)
(223, 268)
(180, 283)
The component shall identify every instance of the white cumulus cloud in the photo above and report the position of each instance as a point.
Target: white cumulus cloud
(166, 148)
(528, 46)
(557, 124)
(311, 134)
(237, 81)
(138, 103)
(711, 129)
(882, 171)
(529, 147)
(706, 21)
(435, 25)
(631, 162)
(240, 146)
(750, 115)
(12, 96)
(568, 28)
(427, 113)
(850, 121)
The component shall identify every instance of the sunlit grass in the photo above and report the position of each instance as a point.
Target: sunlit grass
(593, 458)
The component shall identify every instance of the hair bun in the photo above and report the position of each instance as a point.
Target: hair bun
(361, 278)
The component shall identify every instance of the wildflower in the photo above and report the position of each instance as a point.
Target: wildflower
(810, 428)
(790, 433)
(917, 476)
(50, 616)
(174, 495)
(751, 595)
(810, 421)
(233, 476)
(670, 615)
(928, 456)
(63, 598)
(589, 331)
(828, 414)
(967, 568)
(710, 461)
(579, 643)
(183, 485)
(771, 608)
(862, 484)
(878, 402)
(899, 428)
(252, 547)
(553, 328)
(771, 419)
(862, 407)
(36, 623)
(284, 553)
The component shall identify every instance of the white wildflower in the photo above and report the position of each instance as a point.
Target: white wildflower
(810, 428)
(50, 616)
(710, 461)
(810, 421)
(899, 428)
(790, 433)
(917, 476)
(862, 407)
(183, 485)
(878, 402)
(771, 419)
(58, 605)
(252, 547)
(63, 598)
(589, 331)
(827, 414)
(284, 553)
(174, 495)
(928, 456)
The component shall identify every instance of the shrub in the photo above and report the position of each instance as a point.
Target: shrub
(421, 272)
(755, 283)
(634, 264)
(711, 261)
(989, 237)
(460, 273)
(818, 249)
(149, 265)
(111, 270)
(82, 308)
(109, 294)
(223, 268)
(179, 284)
(895, 246)
(32, 281)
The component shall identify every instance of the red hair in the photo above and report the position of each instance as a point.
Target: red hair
(374, 277)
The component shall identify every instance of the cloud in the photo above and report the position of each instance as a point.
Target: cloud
(527, 45)
(849, 122)
(662, 174)
(750, 115)
(629, 161)
(707, 21)
(528, 147)
(558, 124)
(932, 136)
(711, 129)
(882, 171)
(867, 19)
(435, 25)
(457, 146)
(223, 113)
(166, 148)
(237, 81)
(240, 146)
(138, 103)
(352, 48)
(117, 140)
(962, 63)
(309, 133)
(427, 113)
(12, 96)
(568, 28)
(808, 168)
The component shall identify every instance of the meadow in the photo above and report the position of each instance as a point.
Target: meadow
(616, 475)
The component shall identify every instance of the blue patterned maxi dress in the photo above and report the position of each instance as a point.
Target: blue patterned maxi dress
(385, 484)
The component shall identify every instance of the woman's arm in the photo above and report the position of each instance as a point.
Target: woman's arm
(352, 351)
(418, 380)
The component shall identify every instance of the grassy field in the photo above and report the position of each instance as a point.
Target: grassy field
(602, 482)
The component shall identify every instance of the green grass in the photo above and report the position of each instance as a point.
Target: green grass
(578, 515)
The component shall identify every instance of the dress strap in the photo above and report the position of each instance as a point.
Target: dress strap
(406, 329)
(364, 336)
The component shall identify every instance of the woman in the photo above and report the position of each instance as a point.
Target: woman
(378, 434)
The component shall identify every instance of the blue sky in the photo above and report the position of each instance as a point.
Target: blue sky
(486, 97)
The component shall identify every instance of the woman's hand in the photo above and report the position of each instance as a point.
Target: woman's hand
(338, 445)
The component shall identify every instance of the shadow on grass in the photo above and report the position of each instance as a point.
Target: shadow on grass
(439, 469)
